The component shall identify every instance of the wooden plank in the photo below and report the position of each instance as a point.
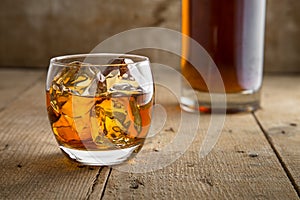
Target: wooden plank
(32, 166)
(280, 120)
(14, 81)
(241, 166)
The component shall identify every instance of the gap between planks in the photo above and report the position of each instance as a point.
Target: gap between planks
(41, 169)
(94, 193)
(284, 166)
(228, 171)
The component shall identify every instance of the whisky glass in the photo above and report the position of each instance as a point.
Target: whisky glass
(100, 105)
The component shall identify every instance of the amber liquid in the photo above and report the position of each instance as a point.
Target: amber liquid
(232, 32)
(98, 123)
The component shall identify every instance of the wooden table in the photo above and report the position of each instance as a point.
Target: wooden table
(257, 155)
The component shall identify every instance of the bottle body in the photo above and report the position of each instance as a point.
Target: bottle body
(232, 33)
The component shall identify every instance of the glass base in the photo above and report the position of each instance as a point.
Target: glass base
(100, 158)
(246, 101)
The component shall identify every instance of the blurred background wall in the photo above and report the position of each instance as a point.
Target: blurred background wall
(32, 31)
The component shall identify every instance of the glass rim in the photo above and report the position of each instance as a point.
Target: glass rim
(57, 60)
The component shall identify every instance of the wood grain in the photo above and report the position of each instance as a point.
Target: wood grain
(244, 164)
(13, 82)
(241, 166)
(32, 166)
(280, 119)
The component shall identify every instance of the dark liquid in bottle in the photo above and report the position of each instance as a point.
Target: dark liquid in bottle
(232, 32)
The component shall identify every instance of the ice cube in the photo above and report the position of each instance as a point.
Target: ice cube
(64, 80)
(125, 88)
(101, 84)
(119, 80)
(112, 66)
(78, 79)
(115, 121)
(138, 77)
(110, 74)
(86, 80)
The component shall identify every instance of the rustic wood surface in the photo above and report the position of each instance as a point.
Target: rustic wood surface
(280, 120)
(256, 157)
